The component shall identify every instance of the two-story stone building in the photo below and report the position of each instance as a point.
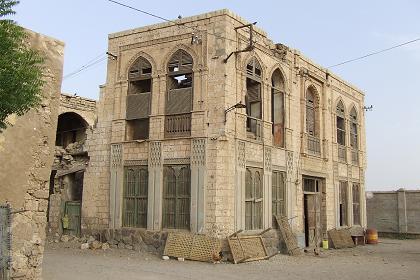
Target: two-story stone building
(204, 124)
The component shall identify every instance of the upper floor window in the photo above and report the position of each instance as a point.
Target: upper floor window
(277, 108)
(312, 122)
(341, 124)
(179, 96)
(253, 98)
(354, 141)
(139, 98)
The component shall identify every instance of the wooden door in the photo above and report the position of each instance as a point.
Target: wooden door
(72, 210)
(312, 219)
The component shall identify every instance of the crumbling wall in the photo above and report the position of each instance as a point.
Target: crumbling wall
(26, 153)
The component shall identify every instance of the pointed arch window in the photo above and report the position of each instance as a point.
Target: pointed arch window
(354, 137)
(341, 131)
(312, 125)
(179, 96)
(277, 108)
(253, 99)
(138, 101)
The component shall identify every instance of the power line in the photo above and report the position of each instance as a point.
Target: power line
(91, 63)
(374, 53)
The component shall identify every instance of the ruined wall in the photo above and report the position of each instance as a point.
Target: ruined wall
(394, 212)
(26, 153)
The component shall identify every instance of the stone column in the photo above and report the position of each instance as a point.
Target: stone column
(240, 186)
(402, 211)
(267, 189)
(155, 186)
(115, 186)
(198, 183)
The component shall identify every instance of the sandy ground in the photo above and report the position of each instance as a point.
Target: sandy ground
(391, 259)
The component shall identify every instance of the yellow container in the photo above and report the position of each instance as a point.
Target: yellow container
(325, 244)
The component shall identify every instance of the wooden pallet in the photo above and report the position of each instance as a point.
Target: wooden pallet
(196, 247)
(341, 238)
(247, 248)
(289, 238)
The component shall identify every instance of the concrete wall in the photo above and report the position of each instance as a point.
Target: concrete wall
(26, 156)
(394, 212)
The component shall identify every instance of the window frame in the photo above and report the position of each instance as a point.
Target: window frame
(254, 198)
(356, 203)
(172, 202)
(132, 192)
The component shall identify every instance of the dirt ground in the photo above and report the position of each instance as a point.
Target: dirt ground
(391, 259)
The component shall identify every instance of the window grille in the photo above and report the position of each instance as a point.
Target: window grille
(277, 108)
(135, 196)
(356, 203)
(176, 197)
(253, 199)
(342, 203)
(278, 194)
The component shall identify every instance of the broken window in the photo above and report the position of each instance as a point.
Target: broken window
(139, 99)
(277, 108)
(278, 194)
(135, 195)
(356, 203)
(71, 128)
(176, 197)
(179, 96)
(253, 199)
(354, 141)
(253, 98)
(342, 203)
(353, 129)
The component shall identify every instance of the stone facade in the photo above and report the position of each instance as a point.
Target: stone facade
(222, 147)
(26, 152)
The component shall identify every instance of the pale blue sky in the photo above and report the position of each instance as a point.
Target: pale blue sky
(328, 32)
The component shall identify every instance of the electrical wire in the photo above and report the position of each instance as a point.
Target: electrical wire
(91, 63)
(374, 53)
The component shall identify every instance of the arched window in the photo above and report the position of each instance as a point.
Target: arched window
(139, 99)
(253, 199)
(341, 131)
(312, 125)
(354, 138)
(341, 125)
(277, 108)
(179, 95)
(354, 142)
(253, 98)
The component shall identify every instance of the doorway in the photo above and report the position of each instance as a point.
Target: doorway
(312, 205)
